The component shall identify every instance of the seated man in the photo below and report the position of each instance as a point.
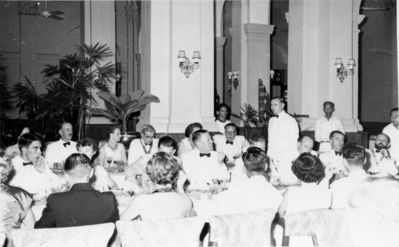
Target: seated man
(202, 164)
(58, 151)
(256, 193)
(82, 205)
(333, 159)
(305, 145)
(380, 160)
(147, 145)
(231, 144)
(31, 171)
(354, 158)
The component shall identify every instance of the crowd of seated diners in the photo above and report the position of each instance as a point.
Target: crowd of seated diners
(204, 175)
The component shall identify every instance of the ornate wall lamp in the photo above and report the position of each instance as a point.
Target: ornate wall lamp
(233, 78)
(342, 72)
(186, 66)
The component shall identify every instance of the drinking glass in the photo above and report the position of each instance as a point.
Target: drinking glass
(109, 161)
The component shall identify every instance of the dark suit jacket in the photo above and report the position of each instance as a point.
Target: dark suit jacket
(82, 205)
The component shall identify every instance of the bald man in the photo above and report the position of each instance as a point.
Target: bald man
(58, 151)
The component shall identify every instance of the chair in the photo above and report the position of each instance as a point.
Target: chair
(327, 227)
(79, 236)
(165, 232)
(244, 229)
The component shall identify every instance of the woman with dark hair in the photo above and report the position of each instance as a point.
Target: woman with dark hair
(310, 195)
(15, 202)
(113, 153)
(186, 143)
(165, 201)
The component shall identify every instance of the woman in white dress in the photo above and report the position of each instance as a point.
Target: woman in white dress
(186, 144)
(165, 202)
(310, 195)
(113, 152)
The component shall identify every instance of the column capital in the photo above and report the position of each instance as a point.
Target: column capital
(258, 30)
(220, 41)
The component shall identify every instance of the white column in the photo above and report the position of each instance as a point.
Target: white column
(220, 42)
(99, 20)
(181, 25)
(313, 45)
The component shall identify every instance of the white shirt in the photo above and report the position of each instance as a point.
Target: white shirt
(343, 188)
(283, 137)
(201, 170)
(17, 163)
(381, 164)
(332, 160)
(56, 152)
(240, 145)
(324, 127)
(33, 181)
(393, 134)
(137, 148)
(221, 125)
(250, 195)
(306, 197)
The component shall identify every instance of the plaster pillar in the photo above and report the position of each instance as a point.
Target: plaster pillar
(319, 32)
(174, 26)
(99, 27)
(220, 42)
(255, 49)
(257, 59)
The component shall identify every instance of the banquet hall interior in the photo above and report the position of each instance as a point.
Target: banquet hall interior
(194, 118)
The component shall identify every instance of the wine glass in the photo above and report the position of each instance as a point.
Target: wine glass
(109, 161)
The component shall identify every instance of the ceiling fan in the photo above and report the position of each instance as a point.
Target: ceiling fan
(57, 15)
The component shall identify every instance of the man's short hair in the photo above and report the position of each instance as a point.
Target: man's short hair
(189, 129)
(75, 160)
(308, 168)
(281, 99)
(328, 103)
(26, 139)
(301, 137)
(197, 135)
(393, 110)
(354, 154)
(336, 132)
(255, 159)
(167, 141)
(230, 125)
(387, 136)
(147, 128)
(87, 142)
(257, 138)
(62, 125)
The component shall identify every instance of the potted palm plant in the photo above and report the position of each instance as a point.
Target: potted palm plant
(120, 109)
(27, 99)
(71, 81)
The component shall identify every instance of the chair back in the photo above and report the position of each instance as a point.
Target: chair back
(78, 236)
(243, 229)
(165, 232)
(327, 227)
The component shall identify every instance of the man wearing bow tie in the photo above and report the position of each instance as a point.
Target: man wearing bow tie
(202, 164)
(231, 144)
(58, 151)
(147, 145)
(31, 172)
(380, 157)
(333, 159)
(283, 134)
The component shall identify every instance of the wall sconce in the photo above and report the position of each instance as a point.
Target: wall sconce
(342, 72)
(186, 66)
(233, 78)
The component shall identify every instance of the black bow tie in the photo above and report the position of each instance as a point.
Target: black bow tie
(229, 142)
(207, 155)
(338, 153)
(27, 164)
(66, 144)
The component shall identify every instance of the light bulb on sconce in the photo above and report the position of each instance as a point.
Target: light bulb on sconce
(342, 72)
(186, 66)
